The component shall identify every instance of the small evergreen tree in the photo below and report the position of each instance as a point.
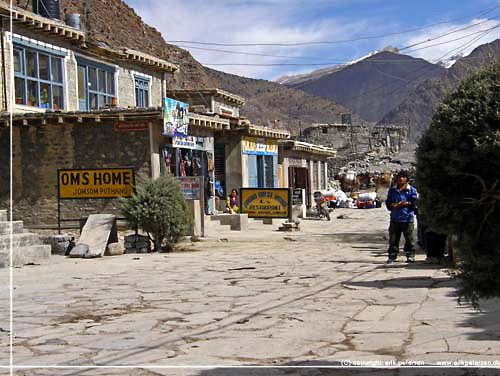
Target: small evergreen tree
(458, 175)
(158, 207)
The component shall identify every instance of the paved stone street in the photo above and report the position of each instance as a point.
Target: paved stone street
(319, 297)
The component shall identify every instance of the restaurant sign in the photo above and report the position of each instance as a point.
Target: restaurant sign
(265, 202)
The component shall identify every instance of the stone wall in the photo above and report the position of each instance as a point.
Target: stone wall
(355, 141)
(39, 151)
(126, 85)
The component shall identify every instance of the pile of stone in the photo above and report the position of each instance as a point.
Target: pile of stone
(137, 244)
(59, 244)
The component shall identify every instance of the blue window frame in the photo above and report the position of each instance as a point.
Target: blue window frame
(96, 84)
(38, 77)
(141, 92)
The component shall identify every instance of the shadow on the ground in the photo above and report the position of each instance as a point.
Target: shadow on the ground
(406, 282)
(318, 368)
(372, 238)
(485, 319)
(313, 368)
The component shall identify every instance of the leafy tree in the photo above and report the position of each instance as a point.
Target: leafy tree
(458, 176)
(158, 208)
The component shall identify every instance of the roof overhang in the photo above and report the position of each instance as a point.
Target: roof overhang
(227, 96)
(308, 148)
(41, 24)
(107, 115)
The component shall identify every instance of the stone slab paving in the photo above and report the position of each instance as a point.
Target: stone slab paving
(319, 297)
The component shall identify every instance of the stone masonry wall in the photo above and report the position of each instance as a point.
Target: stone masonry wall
(126, 85)
(39, 151)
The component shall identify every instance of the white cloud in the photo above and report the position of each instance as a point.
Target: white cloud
(238, 22)
(439, 47)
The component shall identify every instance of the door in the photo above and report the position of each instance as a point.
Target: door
(253, 179)
(82, 89)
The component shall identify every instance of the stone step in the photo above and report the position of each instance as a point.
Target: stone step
(19, 240)
(212, 227)
(236, 222)
(3, 215)
(35, 254)
(17, 227)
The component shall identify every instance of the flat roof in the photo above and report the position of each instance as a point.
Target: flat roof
(307, 147)
(216, 92)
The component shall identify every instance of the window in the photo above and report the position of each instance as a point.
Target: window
(96, 84)
(141, 92)
(38, 79)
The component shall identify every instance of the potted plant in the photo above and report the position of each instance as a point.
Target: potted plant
(44, 98)
(31, 100)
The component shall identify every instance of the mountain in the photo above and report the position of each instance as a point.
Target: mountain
(416, 109)
(373, 86)
(297, 79)
(269, 101)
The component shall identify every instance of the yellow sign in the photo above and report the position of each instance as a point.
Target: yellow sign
(96, 183)
(265, 203)
(259, 146)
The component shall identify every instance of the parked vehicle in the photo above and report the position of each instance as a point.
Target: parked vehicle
(321, 205)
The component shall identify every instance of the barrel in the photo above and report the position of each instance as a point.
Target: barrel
(72, 20)
(49, 9)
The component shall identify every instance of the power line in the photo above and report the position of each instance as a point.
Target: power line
(451, 32)
(482, 13)
(401, 86)
(337, 61)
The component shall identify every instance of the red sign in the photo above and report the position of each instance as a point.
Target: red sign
(131, 126)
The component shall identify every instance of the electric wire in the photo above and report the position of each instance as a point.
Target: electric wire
(482, 13)
(338, 61)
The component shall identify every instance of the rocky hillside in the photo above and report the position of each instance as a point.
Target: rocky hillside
(271, 104)
(373, 86)
(416, 110)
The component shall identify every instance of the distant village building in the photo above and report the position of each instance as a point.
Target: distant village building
(353, 140)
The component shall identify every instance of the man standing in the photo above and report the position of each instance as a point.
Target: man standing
(401, 201)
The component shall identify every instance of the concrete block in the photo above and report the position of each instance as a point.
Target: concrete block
(35, 254)
(17, 227)
(58, 243)
(237, 222)
(18, 240)
(96, 233)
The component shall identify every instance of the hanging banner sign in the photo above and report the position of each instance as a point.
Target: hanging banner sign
(175, 118)
(188, 142)
(265, 202)
(95, 183)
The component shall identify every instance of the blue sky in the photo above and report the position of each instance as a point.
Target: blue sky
(272, 25)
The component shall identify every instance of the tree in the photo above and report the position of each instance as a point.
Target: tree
(159, 208)
(458, 177)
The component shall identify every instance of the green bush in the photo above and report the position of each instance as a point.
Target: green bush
(458, 176)
(158, 208)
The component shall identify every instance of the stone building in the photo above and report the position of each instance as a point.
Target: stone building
(355, 141)
(305, 166)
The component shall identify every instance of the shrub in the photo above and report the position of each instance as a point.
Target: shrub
(458, 175)
(158, 208)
